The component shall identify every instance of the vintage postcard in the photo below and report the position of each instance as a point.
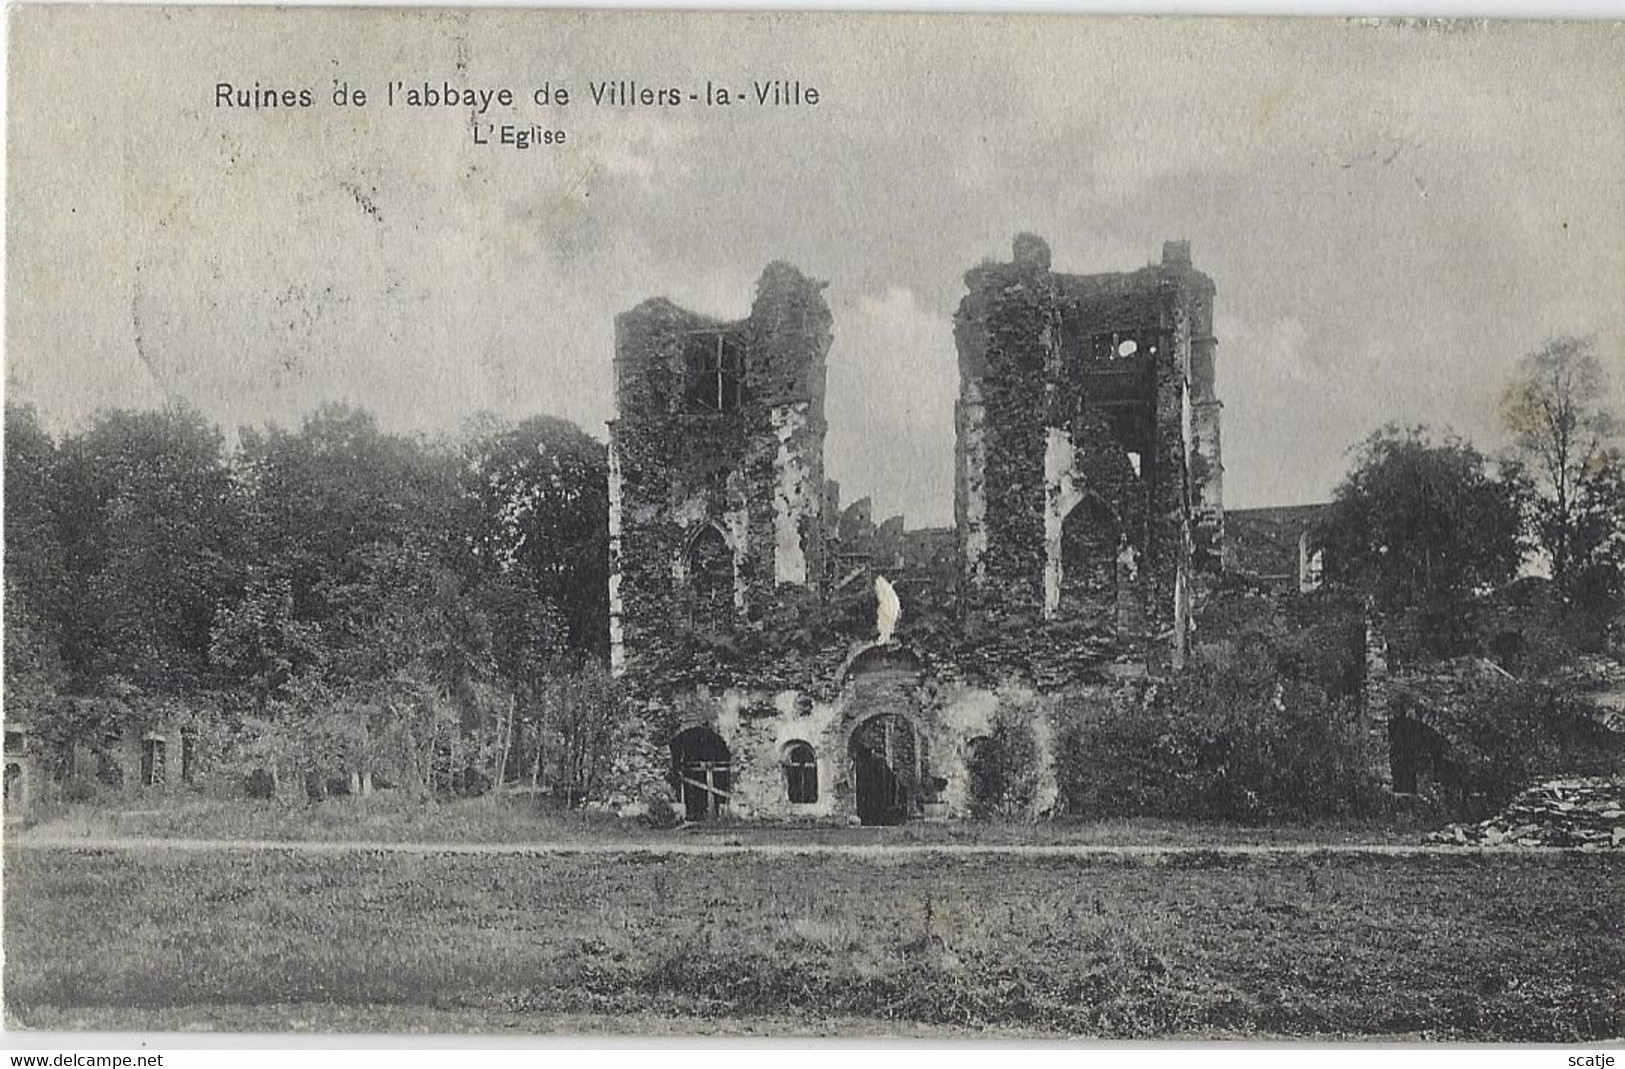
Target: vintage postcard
(972, 527)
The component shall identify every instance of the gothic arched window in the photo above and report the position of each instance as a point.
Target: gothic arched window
(1089, 545)
(710, 577)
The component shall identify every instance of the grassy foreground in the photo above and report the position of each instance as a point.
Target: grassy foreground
(517, 819)
(1471, 946)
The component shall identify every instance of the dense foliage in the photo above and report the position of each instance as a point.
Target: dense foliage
(1239, 736)
(1003, 768)
(1423, 525)
(329, 606)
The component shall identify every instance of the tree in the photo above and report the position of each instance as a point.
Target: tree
(588, 726)
(320, 498)
(1596, 541)
(539, 491)
(359, 630)
(34, 571)
(1564, 434)
(147, 512)
(537, 495)
(1422, 525)
(414, 671)
(257, 645)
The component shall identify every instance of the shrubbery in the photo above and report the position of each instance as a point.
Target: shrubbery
(1232, 738)
(1003, 768)
(1497, 736)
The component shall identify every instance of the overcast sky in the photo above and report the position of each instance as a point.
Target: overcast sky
(1392, 215)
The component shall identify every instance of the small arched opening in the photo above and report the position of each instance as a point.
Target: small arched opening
(702, 771)
(800, 762)
(1417, 756)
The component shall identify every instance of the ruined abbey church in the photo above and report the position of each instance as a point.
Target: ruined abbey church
(1089, 521)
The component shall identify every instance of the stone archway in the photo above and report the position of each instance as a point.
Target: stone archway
(1417, 755)
(888, 769)
(702, 772)
(886, 752)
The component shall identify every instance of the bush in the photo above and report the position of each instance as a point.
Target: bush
(1498, 736)
(1230, 739)
(81, 789)
(662, 814)
(1003, 768)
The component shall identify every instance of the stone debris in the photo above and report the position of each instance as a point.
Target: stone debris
(1582, 811)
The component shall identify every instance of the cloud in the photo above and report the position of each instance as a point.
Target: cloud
(893, 379)
(258, 263)
(1288, 418)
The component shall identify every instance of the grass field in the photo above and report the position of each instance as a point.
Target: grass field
(1473, 946)
(516, 819)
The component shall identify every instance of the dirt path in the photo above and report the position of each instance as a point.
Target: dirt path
(878, 851)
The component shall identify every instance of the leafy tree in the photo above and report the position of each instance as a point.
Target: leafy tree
(537, 494)
(528, 642)
(1596, 541)
(34, 571)
(539, 491)
(588, 725)
(354, 631)
(1422, 525)
(321, 497)
(149, 521)
(1564, 434)
(258, 645)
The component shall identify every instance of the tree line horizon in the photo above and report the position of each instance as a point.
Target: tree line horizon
(336, 586)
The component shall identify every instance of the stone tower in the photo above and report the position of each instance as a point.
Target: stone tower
(716, 463)
(1088, 488)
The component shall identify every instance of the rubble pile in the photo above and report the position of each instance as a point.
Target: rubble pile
(1586, 811)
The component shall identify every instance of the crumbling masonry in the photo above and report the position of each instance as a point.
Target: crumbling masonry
(1088, 509)
(1087, 459)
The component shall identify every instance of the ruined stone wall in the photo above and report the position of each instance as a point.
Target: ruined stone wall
(759, 726)
(1092, 393)
(1086, 461)
(750, 467)
(1207, 467)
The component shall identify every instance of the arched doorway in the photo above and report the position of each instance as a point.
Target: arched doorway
(1417, 756)
(888, 768)
(702, 771)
